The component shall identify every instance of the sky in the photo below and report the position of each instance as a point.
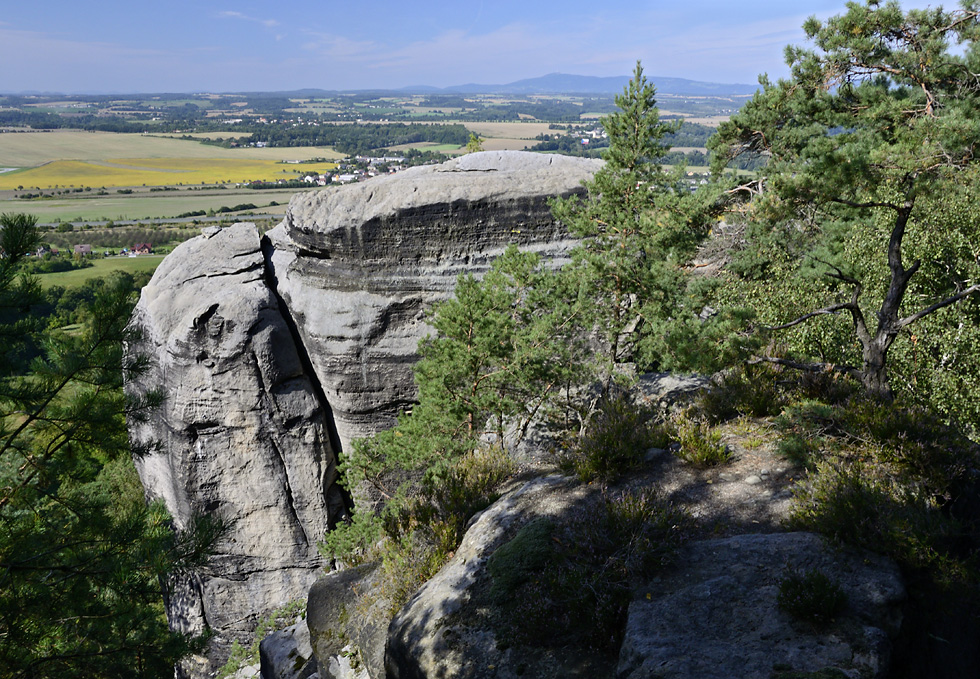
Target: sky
(216, 46)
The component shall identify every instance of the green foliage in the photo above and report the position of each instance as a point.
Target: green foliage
(500, 355)
(866, 202)
(699, 443)
(448, 500)
(639, 226)
(570, 581)
(521, 560)
(749, 390)
(811, 597)
(354, 542)
(860, 504)
(615, 440)
(414, 535)
(474, 144)
(797, 449)
(888, 478)
(82, 558)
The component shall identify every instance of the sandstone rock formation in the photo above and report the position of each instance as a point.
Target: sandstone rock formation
(275, 352)
(357, 267)
(287, 653)
(713, 614)
(242, 434)
(347, 615)
(439, 633)
(716, 615)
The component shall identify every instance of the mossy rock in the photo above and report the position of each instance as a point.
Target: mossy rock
(525, 557)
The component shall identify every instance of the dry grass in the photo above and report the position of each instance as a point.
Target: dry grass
(510, 130)
(507, 144)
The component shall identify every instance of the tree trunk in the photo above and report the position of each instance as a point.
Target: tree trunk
(874, 374)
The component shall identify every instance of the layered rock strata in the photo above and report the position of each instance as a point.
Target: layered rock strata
(242, 434)
(275, 352)
(358, 267)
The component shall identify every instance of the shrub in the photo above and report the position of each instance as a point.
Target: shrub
(354, 542)
(862, 503)
(798, 449)
(415, 536)
(449, 499)
(811, 597)
(699, 444)
(752, 390)
(615, 441)
(571, 580)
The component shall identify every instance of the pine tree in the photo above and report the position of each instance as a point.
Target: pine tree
(871, 136)
(82, 558)
(639, 225)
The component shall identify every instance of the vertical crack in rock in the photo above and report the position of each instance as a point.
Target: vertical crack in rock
(272, 282)
(283, 464)
(290, 502)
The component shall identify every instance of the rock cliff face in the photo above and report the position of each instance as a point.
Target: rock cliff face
(275, 352)
(357, 267)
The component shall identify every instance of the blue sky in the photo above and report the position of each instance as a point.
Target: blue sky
(217, 46)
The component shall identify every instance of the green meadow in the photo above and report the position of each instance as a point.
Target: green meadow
(101, 267)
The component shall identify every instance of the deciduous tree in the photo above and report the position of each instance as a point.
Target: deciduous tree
(874, 131)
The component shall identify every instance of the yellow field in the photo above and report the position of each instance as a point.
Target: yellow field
(155, 172)
(31, 149)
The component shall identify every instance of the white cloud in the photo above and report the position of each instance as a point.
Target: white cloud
(452, 57)
(268, 23)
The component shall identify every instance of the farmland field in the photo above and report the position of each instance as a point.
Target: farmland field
(510, 130)
(101, 267)
(114, 172)
(30, 149)
(145, 205)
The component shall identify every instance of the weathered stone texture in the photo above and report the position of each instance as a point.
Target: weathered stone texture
(241, 434)
(275, 353)
(716, 614)
(357, 267)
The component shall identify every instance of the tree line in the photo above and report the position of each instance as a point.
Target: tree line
(361, 139)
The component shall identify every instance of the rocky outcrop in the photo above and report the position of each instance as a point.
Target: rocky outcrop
(242, 434)
(348, 622)
(275, 352)
(287, 653)
(357, 267)
(713, 614)
(440, 632)
(716, 614)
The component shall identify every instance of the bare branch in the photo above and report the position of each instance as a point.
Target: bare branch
(826, 311)
(851, 203)
(909, 320)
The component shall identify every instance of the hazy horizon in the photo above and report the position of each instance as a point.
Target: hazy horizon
(112, 47)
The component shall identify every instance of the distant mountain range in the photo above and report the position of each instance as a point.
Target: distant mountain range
(564, 83)
(553, 83)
